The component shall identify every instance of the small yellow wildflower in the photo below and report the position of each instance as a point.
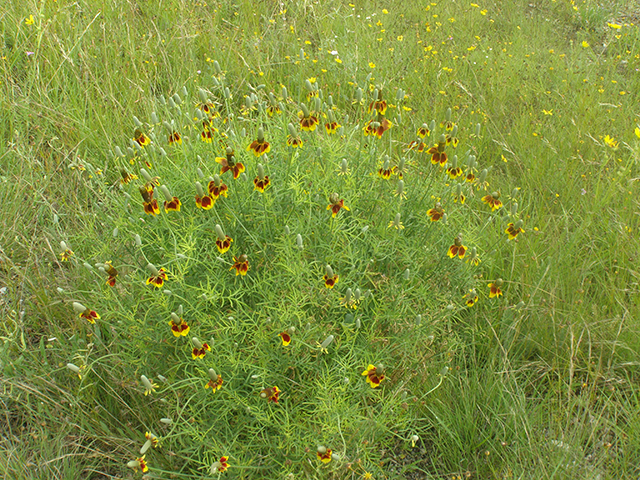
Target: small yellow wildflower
(29, 21)
(585, 44)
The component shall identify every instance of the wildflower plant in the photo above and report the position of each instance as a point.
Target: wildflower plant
(267, 308)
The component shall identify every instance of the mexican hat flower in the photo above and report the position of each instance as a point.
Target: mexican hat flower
(493, 200)
(259, 146)
(229, 163)
(374, 374)
(241, 265)
(323, 454)
(514, 229)
(330, 279)
(335, 204)
(308, 120)
(261, 182)
(272, 394)
(157, 277)
(179, 327)
(436, 213)
(215, 381)
(438, 155)
(199, 349)
(223, 242)
(457, 249)
(494, 288)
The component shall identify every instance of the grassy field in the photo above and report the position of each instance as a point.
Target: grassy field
(382, 311)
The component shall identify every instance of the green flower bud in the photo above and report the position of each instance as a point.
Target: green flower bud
(146, 446)
(115, 232)
(138, 240)
(161, 100)
(260, 171)
(519, 224)
(478, 126)
(357, 295)
(213, 375)
(514, 192)
(318, 104)
(227, 93)
(180, 309)
(152, 269)
(196, 343)
(399, 94)
(292, 130)
(406, 274)
(202, 95)
(163, 153)
(216, 67)
(454, 132)
(447, 114)
(444, 371)
(185, 92)
(308, 85)
(344, 166)
(514, 208)
(147, 384)
(301, 54)
(73, 368)
(366, 80)
(287, 231)
(199, 170)
(137, 122)
(329, 271)
(398, 119)
(119, 152)
(442, 139)
(220, 233)
(359, 95)
(379, 370)
(166, 421)
(284, 94)
(376, 93)
(483, 175)
(260, 134)
(305, 110)
(79, 308)
(299, 241)
(198, 113)
(165, 191)
(168, 293)
(176, 98)
(418, 319)
(327, 341)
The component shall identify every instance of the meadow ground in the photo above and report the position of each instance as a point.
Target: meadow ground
(320, 240)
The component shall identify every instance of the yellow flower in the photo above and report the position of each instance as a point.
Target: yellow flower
(615, 26)
(585, 44)
(548, 112)
(400, 38)
(610, 142)
(29, 21)
(385, 11)
(372, 65)
(637, 132)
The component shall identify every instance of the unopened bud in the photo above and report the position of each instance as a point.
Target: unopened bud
(327, 341)
(220, 233)
(138, 240)
(196, 343)
(73, 368)
(359, 95)
(216, 67)
(299, 242)
(478, 127)
(165, 192)
(329, 271)
(176, 98)
(447, 114)
(406, 274)
(146, 175)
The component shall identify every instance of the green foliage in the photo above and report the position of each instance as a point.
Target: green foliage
(536, 383)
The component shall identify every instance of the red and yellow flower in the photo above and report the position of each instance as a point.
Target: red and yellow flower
(375, 375)
(324, 454)
(272, 394)
(127, 177)
(457, 249)
(140, 138)
(436, 213)
(229, 163)
(417, 145)
(223, 242)
(493, 200)
(261, 182)
(112, 272)
(285, 337)
(222, 464)
(376, 128)
(66, 253)
(438, 155)
(217, 187)
(157, 277)
(149, 204)
(215, 381)
(199, 349)
(494, 288)
(330, 279)
(471, 298)
(423, 131)
(335, 204)
(294, 141)
(139, 463)
(171, 203)
(259, 146)
(175, 138)
(203, 201)
(241, 265)
(308, 120)
(179, 327)
(513, 230)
